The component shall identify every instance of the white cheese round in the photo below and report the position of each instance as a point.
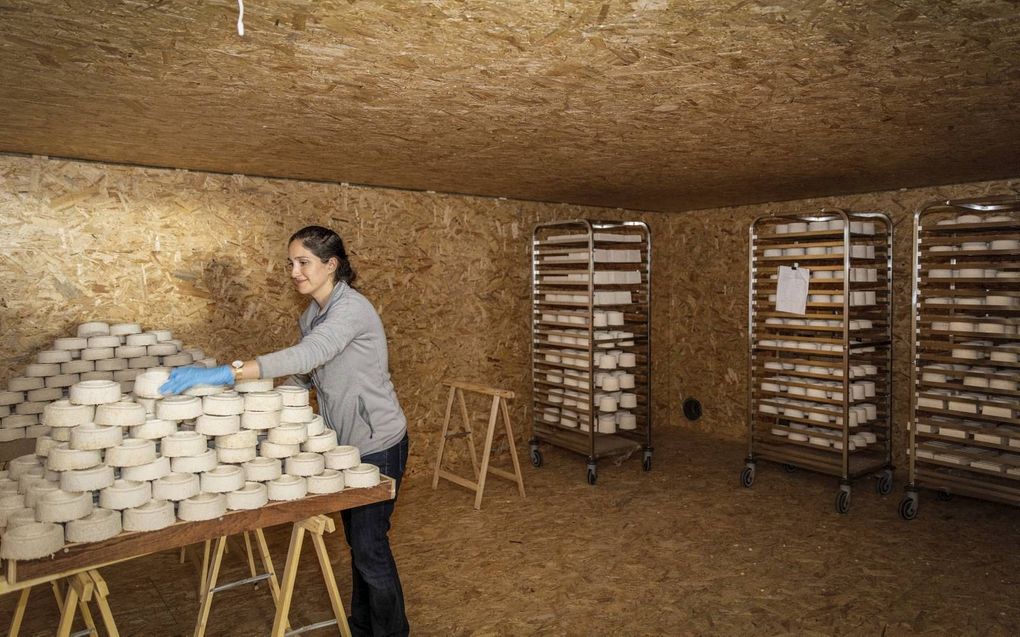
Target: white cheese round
(53, 356)
(129, 453)
(184, 443)
(151, 516)
(63, 458)
(236, 456)
(96, 342)
(121, 414)
(95, 392)
(305, 464)
(291, 433)
(93, 328)
(316, 425)
(94, 479)
(25, 383)
(293, 396)
(22, 465)
(273, 450)
(101, 524)
(142, 362)
(263, 401)
(111, 365)
(63, 506)
(143, 339)
(77, 367)
(43, 444)
(97, 353)
(93, 436)
(223, 478)
(179, 408)
(297, 414)
(71, 343)
(176, 486)
(287, 488)
(329, 481)
(263, 469)
(204, 506)
(252, 496)
(211, 425)
(161, 349)
(179, 359)
(361, 476)
(42, 370)
(342, 457)
(32, 541)
(129, 351)
(260, 419)
(46, 395)
(225, 404)
(63, 413)
(154, 429)
(125, 494)
(125, 329)
(321, 443)
(195, 464)
(147, 472)
(245, 386)
(11, 397)
(240, 440)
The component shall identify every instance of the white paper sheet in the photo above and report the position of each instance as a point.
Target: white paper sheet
(792, 291)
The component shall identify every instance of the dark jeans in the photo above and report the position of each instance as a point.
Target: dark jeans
(377, 600)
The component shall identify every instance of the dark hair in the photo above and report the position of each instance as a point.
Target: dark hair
(326, 244)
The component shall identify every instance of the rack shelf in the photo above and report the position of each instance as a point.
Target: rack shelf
(820, 382)
(964, 433)
(591, 346)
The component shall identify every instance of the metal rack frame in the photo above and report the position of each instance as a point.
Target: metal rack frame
(828, 409)
(637, 316)
(943, 442)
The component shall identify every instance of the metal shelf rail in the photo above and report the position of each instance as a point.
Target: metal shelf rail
(819, 396)
(964, 431)
(591, 340)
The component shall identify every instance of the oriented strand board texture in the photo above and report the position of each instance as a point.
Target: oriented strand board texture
(204, 255)
(708, 286)
(646, 104)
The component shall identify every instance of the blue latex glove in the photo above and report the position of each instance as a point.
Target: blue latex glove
(182, 378)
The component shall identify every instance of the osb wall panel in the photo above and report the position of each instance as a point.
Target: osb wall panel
(204, 255)
(643, 104)
(709, 290)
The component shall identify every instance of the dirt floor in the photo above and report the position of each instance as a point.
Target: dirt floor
(682, 550)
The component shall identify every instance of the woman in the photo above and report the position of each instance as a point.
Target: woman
(342, 353)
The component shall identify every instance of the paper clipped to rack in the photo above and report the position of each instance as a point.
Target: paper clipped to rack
(792, 291)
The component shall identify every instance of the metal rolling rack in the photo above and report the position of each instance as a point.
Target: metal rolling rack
(820, 388)
(964, 433)
(591, 340)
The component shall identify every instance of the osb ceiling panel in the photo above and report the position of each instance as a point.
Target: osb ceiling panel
(643, 104)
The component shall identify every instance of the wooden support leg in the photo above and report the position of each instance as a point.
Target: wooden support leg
(331, 589)
(470, 431)
(19, 612)
(58, 594)
(290, 567)
(487, 450)
(442, 439)
(209, 585)
(513, 445)
(251, 556)
(67, 612)
(267, 563)
(204, 570)
(183, 555)
(102, 591)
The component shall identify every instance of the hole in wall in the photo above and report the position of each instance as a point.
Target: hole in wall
(692, 409)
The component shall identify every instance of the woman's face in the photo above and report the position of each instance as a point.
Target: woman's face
(310, 275)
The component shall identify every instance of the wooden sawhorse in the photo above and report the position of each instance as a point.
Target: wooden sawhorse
(499, 407)
(82, 588)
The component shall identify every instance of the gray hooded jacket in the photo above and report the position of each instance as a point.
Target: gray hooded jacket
(342, 353)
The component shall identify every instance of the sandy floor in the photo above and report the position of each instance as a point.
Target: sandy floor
(683, 550)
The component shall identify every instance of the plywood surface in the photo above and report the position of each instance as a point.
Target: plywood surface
(204, 256)
(643, 104)
(681, 551)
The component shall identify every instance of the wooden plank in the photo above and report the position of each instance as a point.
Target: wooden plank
(126, 545)
(479, 388)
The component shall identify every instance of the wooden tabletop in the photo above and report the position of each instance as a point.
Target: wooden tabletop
(78, 557)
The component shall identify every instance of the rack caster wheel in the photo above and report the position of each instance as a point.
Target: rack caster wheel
(884, 484)
(943, 495)
(646, 462)
(789, 468)
(536, 458)
(592, 475)
(908, 506)
(747, 476)
(843, 502)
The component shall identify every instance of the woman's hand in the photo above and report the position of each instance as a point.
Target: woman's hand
(182, 378)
